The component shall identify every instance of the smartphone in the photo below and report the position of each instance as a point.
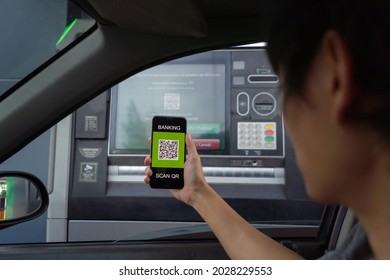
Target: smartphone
(168, 152)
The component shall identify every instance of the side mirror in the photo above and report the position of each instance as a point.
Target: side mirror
(22, 197)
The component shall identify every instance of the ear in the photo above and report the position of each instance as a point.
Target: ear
(341, 80)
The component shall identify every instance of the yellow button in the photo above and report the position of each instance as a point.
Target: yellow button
(269, 126)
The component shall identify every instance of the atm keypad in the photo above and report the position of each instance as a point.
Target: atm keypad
(256, 135)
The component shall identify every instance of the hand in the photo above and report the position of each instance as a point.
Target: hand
(194, 181)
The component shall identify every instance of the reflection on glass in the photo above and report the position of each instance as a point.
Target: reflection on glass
(18, 198)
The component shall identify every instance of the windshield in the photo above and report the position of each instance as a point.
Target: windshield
(33, 31)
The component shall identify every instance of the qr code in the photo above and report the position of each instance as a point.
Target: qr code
(172, 101)
(168, 149)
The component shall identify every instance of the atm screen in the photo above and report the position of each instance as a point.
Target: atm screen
(193, 91)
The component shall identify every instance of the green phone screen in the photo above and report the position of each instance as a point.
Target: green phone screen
(168, 149)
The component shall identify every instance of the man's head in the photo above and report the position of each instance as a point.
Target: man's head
(363, 25)
(332, 57)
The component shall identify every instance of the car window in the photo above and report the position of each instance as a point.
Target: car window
(231, 101)
(34, 31)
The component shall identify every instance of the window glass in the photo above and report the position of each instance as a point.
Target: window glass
(33, 31)
(232, 104)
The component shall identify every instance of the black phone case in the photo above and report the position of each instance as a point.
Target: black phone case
(165, 179)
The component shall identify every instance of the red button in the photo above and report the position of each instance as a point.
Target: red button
(207, 144)
(269, 132)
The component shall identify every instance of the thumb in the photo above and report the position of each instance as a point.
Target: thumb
(191, 147)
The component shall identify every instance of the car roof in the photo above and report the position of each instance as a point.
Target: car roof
(129, 36)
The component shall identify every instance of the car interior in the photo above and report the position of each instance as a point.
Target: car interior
(75, 125)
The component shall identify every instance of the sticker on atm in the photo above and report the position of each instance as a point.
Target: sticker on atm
(88, 172)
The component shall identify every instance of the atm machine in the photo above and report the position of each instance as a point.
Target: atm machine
(232, 104)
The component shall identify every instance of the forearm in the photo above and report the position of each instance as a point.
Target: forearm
(239, 239)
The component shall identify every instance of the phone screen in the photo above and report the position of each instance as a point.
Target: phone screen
(168, 151)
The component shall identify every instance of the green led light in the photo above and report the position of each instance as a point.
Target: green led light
(66, 31)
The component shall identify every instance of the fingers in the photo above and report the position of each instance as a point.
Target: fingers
(147, 160)
(148, 171)
(148, 174)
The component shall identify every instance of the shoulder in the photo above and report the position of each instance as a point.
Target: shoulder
(356, 246)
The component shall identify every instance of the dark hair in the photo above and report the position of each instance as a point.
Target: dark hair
(364, 25)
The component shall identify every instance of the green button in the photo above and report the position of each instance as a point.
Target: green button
(269, 139)
(204, 128)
